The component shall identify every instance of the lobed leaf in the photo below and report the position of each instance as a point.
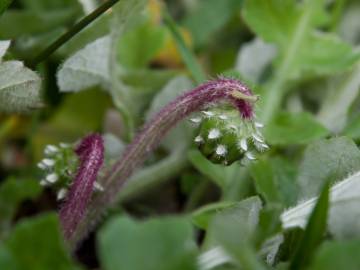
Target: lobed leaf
(4, 46)
(37, 243)
(19, 87)
(333, 158)
(87, 68)
(156, 244)
(289, 128)
(12, 193)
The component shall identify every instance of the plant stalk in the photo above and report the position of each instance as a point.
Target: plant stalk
(72, 32)
(150, 136)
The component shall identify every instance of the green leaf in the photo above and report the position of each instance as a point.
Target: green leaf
(291, 27)
(133, 52)
(335, 158)
(16, 23)
(207, 11)
(278, 19)
(4, 45)
(12, 193)
(343, 90)
(97, 29)
(253, 59)
(288, 128)
(265, 183)
(344, 212)
(7, 261)
(19, 87)
(353, 128)
(314, 232)
(349, 25)
(36, 244)
(275, 180)
(127, 15)
(337, 255)
(302, 50)
(224, 177)
(79, 114)
(46, 5)
(203, 215)
(323, 54)
(234, 229)
(4, 5)
(87, 68)
(180, 135)
(157, 244)
(269, 225)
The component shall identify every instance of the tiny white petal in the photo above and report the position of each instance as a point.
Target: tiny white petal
(51, 149)
(41, 166)
(233, 127)
(61, 194)
(98, 187)
(44, 183)
(198, 139)
(258, 138)
(196, 120)
(259, 125)
(261, 146)
(221, 150)
(48, 162)
(52, 178)
(208, 113)
(64, 145)
(223, 117)
(243, 144)
(250, 156)
(214, 133)
(265, 146)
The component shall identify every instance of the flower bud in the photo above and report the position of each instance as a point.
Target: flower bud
(224, 136)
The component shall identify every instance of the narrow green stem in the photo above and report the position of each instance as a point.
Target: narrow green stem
(186, 54)
(72, 32)
(276, 89)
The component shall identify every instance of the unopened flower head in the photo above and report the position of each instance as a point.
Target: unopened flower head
(59, 166)
(227, 137)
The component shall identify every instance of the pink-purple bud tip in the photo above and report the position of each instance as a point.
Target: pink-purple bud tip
(91, 156)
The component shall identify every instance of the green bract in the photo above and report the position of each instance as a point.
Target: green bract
(60, 164)
(224, 136)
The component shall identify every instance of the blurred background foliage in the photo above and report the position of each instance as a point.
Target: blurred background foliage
(301, 57)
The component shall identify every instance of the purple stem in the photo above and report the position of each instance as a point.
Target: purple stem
(91, 156)
(150, 136)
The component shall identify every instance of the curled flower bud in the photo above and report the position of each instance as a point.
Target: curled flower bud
(59, 165)
(225, 137)
(76, 224)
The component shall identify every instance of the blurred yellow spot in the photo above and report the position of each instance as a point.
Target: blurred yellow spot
(170, 56)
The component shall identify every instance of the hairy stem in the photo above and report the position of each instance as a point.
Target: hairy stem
(91, 155)
(72, 32)
(150, 136)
